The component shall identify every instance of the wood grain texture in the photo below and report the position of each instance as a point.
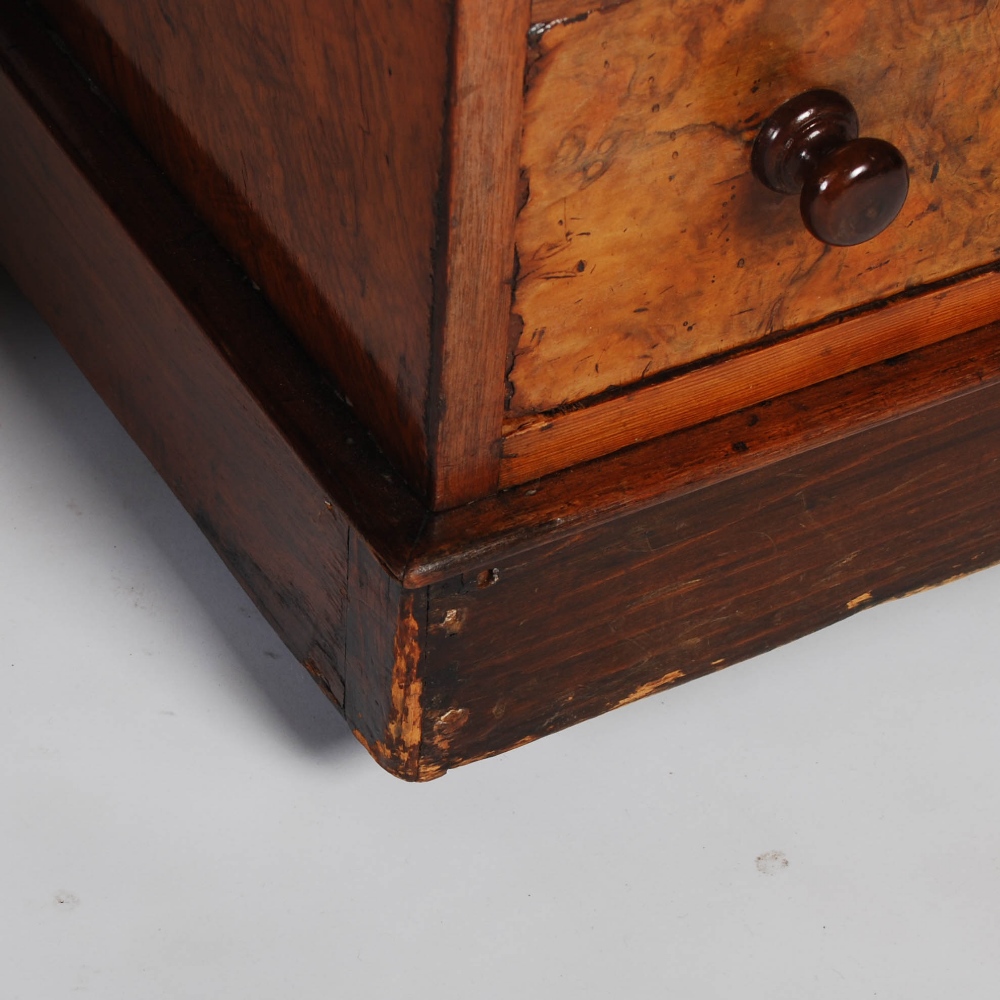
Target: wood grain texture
(309, 135)
(538, 445)
(446, 637)
(470, 540)
(594, 621)
(275, 470)
(477, 268)
(645, 244)
(544, 12)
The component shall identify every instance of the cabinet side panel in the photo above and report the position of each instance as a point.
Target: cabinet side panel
(547, 638)
(309, 135)
(146, 345)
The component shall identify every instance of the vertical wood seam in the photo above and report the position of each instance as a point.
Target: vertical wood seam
(466, 398)
(439, 262)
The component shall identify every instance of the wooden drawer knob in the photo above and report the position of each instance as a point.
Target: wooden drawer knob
(850, 188)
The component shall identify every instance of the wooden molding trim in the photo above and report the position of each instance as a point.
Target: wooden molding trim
(538, 445)
(464, 540)
(467, 400)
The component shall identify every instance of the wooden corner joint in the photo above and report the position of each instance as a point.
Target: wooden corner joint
(399, 749)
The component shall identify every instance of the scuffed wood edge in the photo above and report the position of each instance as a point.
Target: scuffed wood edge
(407, 712)
(398, 750)
(384, 637)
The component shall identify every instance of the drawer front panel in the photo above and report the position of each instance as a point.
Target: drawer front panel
(645, 244)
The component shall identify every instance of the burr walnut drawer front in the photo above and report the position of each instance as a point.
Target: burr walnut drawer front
(645, 244)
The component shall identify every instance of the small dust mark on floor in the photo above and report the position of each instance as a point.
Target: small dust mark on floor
(771, 863)
(65, 901)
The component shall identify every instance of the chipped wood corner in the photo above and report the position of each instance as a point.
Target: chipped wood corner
(399, 751)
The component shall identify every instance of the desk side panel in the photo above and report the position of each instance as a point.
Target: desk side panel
(221, 399)
(309, 135)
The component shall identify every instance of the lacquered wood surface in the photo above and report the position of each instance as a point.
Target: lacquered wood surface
(309, 135)
(446, 637)
(645, 243)
(476, 263)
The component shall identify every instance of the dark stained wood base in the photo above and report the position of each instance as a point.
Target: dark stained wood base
(452, 636)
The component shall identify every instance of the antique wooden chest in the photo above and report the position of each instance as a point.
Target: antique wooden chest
(525, 358)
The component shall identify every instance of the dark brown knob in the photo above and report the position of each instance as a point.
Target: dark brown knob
(851, 188)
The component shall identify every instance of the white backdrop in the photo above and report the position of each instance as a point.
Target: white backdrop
(183, 815)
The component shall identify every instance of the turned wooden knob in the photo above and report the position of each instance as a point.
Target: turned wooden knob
(850, 189)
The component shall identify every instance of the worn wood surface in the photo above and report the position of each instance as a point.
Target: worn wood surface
(645, 243)
(463, 541)
(276, 471)
(541, 444)
(385, 630)
(309, 135)
(446, 637)
(476, 271)
(598, 619)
